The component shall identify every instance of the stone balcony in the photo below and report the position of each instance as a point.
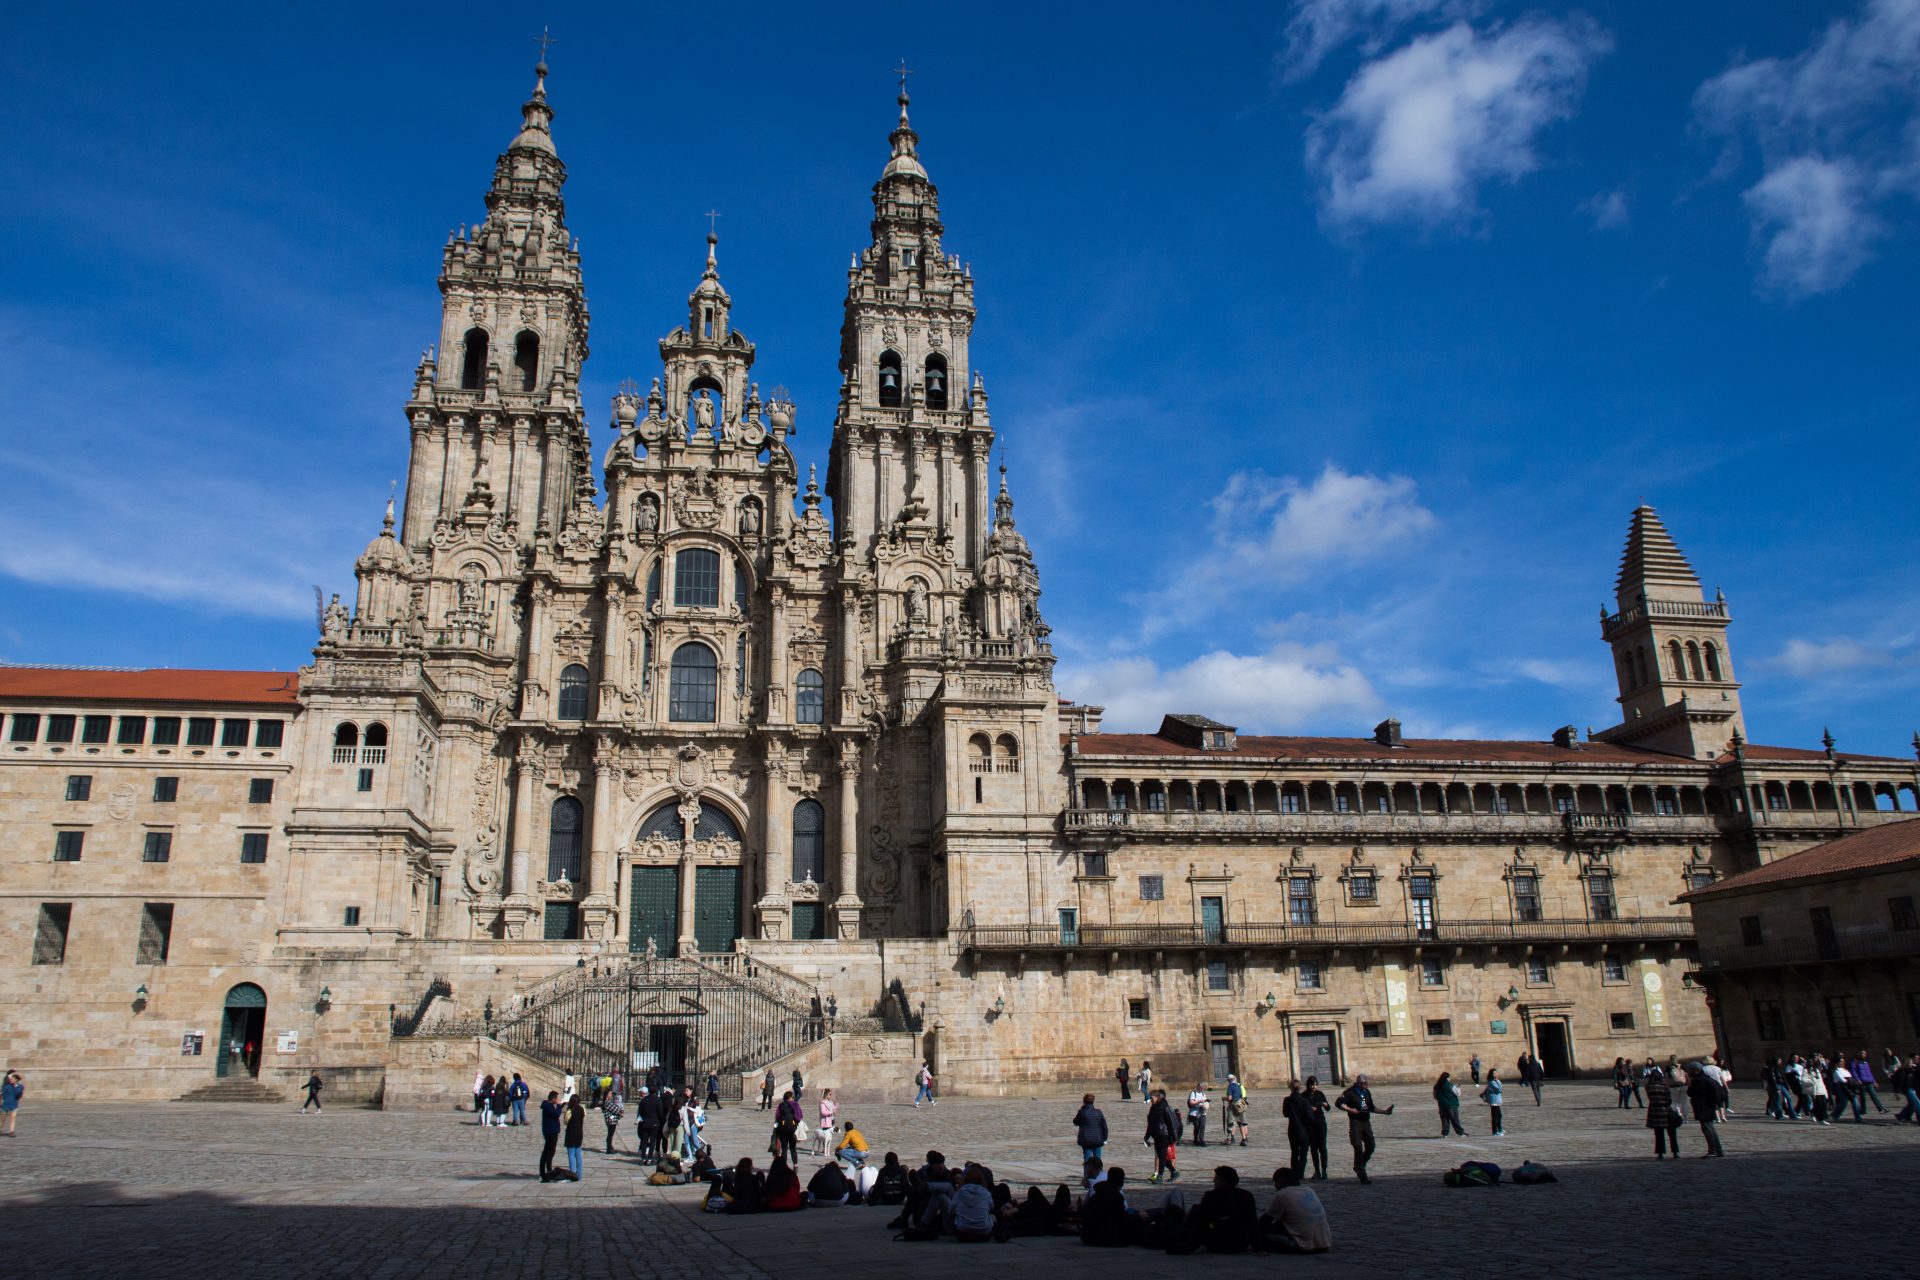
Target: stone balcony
(1272, 935)
(1280, 828)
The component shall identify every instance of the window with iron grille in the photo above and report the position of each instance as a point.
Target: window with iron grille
(1600, 895)
(696, 578)
(350, 917)
(1308, 976)
(1539, 972)
(1900, 910)
(50, 933)
(156, 933)
(1373, 1031)
(1153, 888)
(1612, 968)
(1093, 864)
(1138, 1010)
(1526, 896)
(1218, 979)
(1362, 886)
(1300, 900)
(1620, 1021)
(1433, 972)
(1439, 1027)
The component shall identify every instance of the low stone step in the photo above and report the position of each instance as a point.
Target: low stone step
(234, 1091)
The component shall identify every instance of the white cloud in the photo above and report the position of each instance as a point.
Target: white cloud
(1417, 131)
(1318, 27)
(1824, 659)
(1282, 529)
(1608, 210)
(1836, 127)
(1282, 689)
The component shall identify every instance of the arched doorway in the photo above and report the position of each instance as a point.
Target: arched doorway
(243, 1024)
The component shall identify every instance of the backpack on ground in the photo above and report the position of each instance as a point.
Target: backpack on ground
(1530, 1174)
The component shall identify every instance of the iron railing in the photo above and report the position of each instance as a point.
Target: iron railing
(1122, 937)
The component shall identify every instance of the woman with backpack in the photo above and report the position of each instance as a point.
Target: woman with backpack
(786, 1127)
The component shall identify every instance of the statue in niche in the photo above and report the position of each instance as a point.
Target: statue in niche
(649, 517)
(334, 622)
(749, 516)
(470, 589)
(916, 601)
(703, 412)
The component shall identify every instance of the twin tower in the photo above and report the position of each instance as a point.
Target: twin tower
(656, 695)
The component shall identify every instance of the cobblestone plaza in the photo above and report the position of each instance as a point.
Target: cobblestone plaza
(231, 1190)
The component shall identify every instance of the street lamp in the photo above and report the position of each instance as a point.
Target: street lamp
(325, 1001)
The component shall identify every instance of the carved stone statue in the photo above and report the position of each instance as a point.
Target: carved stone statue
(334, 622)
(703, 412)
(749, 516)
(649, 517)
(917, 601)
(469, 589)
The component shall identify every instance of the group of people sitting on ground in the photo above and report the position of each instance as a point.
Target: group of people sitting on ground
(843, 1181)
(965, 1203)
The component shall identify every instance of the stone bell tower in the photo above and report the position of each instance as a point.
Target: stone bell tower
(1677, 691)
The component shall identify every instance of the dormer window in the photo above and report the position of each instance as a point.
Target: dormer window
(1218, 741)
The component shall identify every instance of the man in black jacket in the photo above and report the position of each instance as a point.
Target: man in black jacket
(1360, 1107)
(549, 1134)
(652, 1110)
(1703, 1095)
(1227, 1217)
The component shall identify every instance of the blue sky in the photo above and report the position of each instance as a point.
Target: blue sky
(1331, 343)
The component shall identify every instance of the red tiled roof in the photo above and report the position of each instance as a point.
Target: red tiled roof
(1881, 848)
(1248, 747)
(1796, 755)
(160, 684)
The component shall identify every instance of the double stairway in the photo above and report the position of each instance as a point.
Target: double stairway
(720, 1014)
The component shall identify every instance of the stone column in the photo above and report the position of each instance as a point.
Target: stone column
(776, 850)
(689, 814)
(518, 910)
(780, 694)
(846, 907)
(613, 650)
(597, 911)
(415, 527)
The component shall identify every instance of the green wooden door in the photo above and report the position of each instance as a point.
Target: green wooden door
(809, 920)
(716, 907)
(656, 909)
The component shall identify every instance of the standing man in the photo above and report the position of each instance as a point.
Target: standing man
(549, 1134)
(1474, 1067)
(1703, 1094)
(1360, 1107)
(713, 1090)
(1534, 1076)
(798, 1084)
(1197, 1107)
(1124, 1074)
(12, 1089)
(517, 1095)
(924, 1079)
(651, 1111)
(1236, 1110)
(1146, 1082)
(313, 1093)
(766, 1091)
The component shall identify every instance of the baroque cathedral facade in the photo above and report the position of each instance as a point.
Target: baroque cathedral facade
(672, 700)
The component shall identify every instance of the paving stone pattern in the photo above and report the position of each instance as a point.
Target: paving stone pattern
(231, 1191)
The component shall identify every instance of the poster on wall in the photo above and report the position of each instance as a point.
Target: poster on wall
(1655, 986)
(192, 1043)
(287, 1042)
(1399, 1017)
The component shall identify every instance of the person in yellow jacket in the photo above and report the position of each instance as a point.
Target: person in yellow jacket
(852, 1150)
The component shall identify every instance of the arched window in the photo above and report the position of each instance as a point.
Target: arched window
(1713, 663)
(1006, 754)
(376, 735)
(373, 745)
(809, 842)
(718, 402)
(696, 578)
(1693, 660)
(1678, 659)
(712, 823)
(563, 840)
(573, 692)
(890, 391)
(936, 381)
(979, 754)
(694, 690)
(526, 358)
(346, 735)
(473, 364)
(810, 698)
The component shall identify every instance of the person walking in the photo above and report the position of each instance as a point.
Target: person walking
(12, 1089)
(1864, 1081)
(1317, 1108)
(1145, 1082)
(799, 1085)
(1703, 1094)
(1124, 1074)
(1089, 1130)
(1358, 1102)
(1293, 1108)
(1493, 1094)
(569, 1087)
(549, 1134)
(576, 1138)
(612, 1107)
(1533, 1075)
(1160, 1136)
(314, 1086)
(924, 1079)
(713, 1090)
(1620, 1086)
(518, 1093)
(1236, 1110)
(1905, 1078)
(786, 1124)
(766, 1091)
(1816, 1084)
(1474, 1068)
(1446, 1095)
(829, 1121)
(1661, 1117)
(1197, 1108)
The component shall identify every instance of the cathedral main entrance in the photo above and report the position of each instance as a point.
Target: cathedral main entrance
(655, 913)
(243, 1021)
(716, 908)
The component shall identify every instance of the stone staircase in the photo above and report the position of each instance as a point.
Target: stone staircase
(235, 1089)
